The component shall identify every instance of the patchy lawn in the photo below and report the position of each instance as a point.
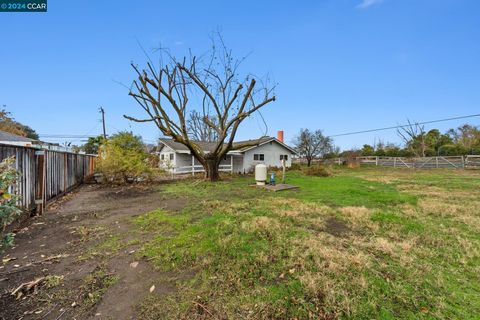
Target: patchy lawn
(367, 243)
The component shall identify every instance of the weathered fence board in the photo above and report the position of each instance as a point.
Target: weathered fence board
(46, 174)
(472, 162)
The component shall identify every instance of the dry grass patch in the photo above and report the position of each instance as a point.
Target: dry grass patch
(262, 224)
(356, 214)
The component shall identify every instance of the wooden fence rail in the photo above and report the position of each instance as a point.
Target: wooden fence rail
(445, 162)
(46, 174)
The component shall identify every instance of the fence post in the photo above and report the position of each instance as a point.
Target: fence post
(463, 161)
(394, 162)
(436, 162)
(193, 165)
(231, 164)
(339, 161)
(40, 181)
(65, 172)
(376, 161)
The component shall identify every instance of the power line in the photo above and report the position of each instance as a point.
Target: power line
(59, 136)
(73, 136)
(402, 126)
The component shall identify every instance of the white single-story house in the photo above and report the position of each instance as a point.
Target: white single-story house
(176, 158)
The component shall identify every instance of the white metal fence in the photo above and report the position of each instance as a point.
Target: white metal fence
(445, 162)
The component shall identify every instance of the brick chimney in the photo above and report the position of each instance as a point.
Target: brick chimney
(280, 135)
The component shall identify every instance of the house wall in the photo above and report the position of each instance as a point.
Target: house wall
(167, 164)
(185, 160)
(271, 151)
(238, 164)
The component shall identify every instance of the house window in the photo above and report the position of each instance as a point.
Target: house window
(171, 156)
(284, 157)
(162, 156)
(258, 157)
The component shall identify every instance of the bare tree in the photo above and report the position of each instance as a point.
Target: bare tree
(210, 86)
(312, 144)
(199, 130)
(414, 137)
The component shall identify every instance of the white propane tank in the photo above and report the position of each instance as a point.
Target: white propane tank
(261, 174)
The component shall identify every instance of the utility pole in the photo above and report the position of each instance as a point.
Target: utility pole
(103, 122)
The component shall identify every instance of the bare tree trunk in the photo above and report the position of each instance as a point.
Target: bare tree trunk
(211, 169)
(309, 161)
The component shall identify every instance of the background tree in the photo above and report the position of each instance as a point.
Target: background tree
(93, 144)
(8, 124)
(312, 144)
(435, 140)
(367, 150)
(463, 140)
(210, 86)
(122, 158)
(413, 135)
(199, 130)
(466, 136)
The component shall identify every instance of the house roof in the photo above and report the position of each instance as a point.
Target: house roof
(6, 136)
(209, 146)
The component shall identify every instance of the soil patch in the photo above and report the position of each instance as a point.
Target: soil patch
(336, 227)
(84, 248)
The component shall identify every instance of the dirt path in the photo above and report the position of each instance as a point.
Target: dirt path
(85, 248)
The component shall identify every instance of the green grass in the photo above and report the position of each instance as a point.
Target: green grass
(345, 190)
(367, 243)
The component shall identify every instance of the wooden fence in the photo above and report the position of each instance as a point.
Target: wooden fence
(199, 168)
(445, 162)
(46, 174)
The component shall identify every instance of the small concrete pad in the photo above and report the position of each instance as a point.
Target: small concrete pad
(277, 187)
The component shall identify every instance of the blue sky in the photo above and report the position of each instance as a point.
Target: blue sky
(340, 65)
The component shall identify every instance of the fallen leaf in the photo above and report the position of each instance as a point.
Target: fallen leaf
(134, 264)
(152, 288)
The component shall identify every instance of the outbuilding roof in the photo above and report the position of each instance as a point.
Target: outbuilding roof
(6, 136)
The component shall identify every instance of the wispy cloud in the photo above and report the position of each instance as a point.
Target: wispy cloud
(368, 3)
